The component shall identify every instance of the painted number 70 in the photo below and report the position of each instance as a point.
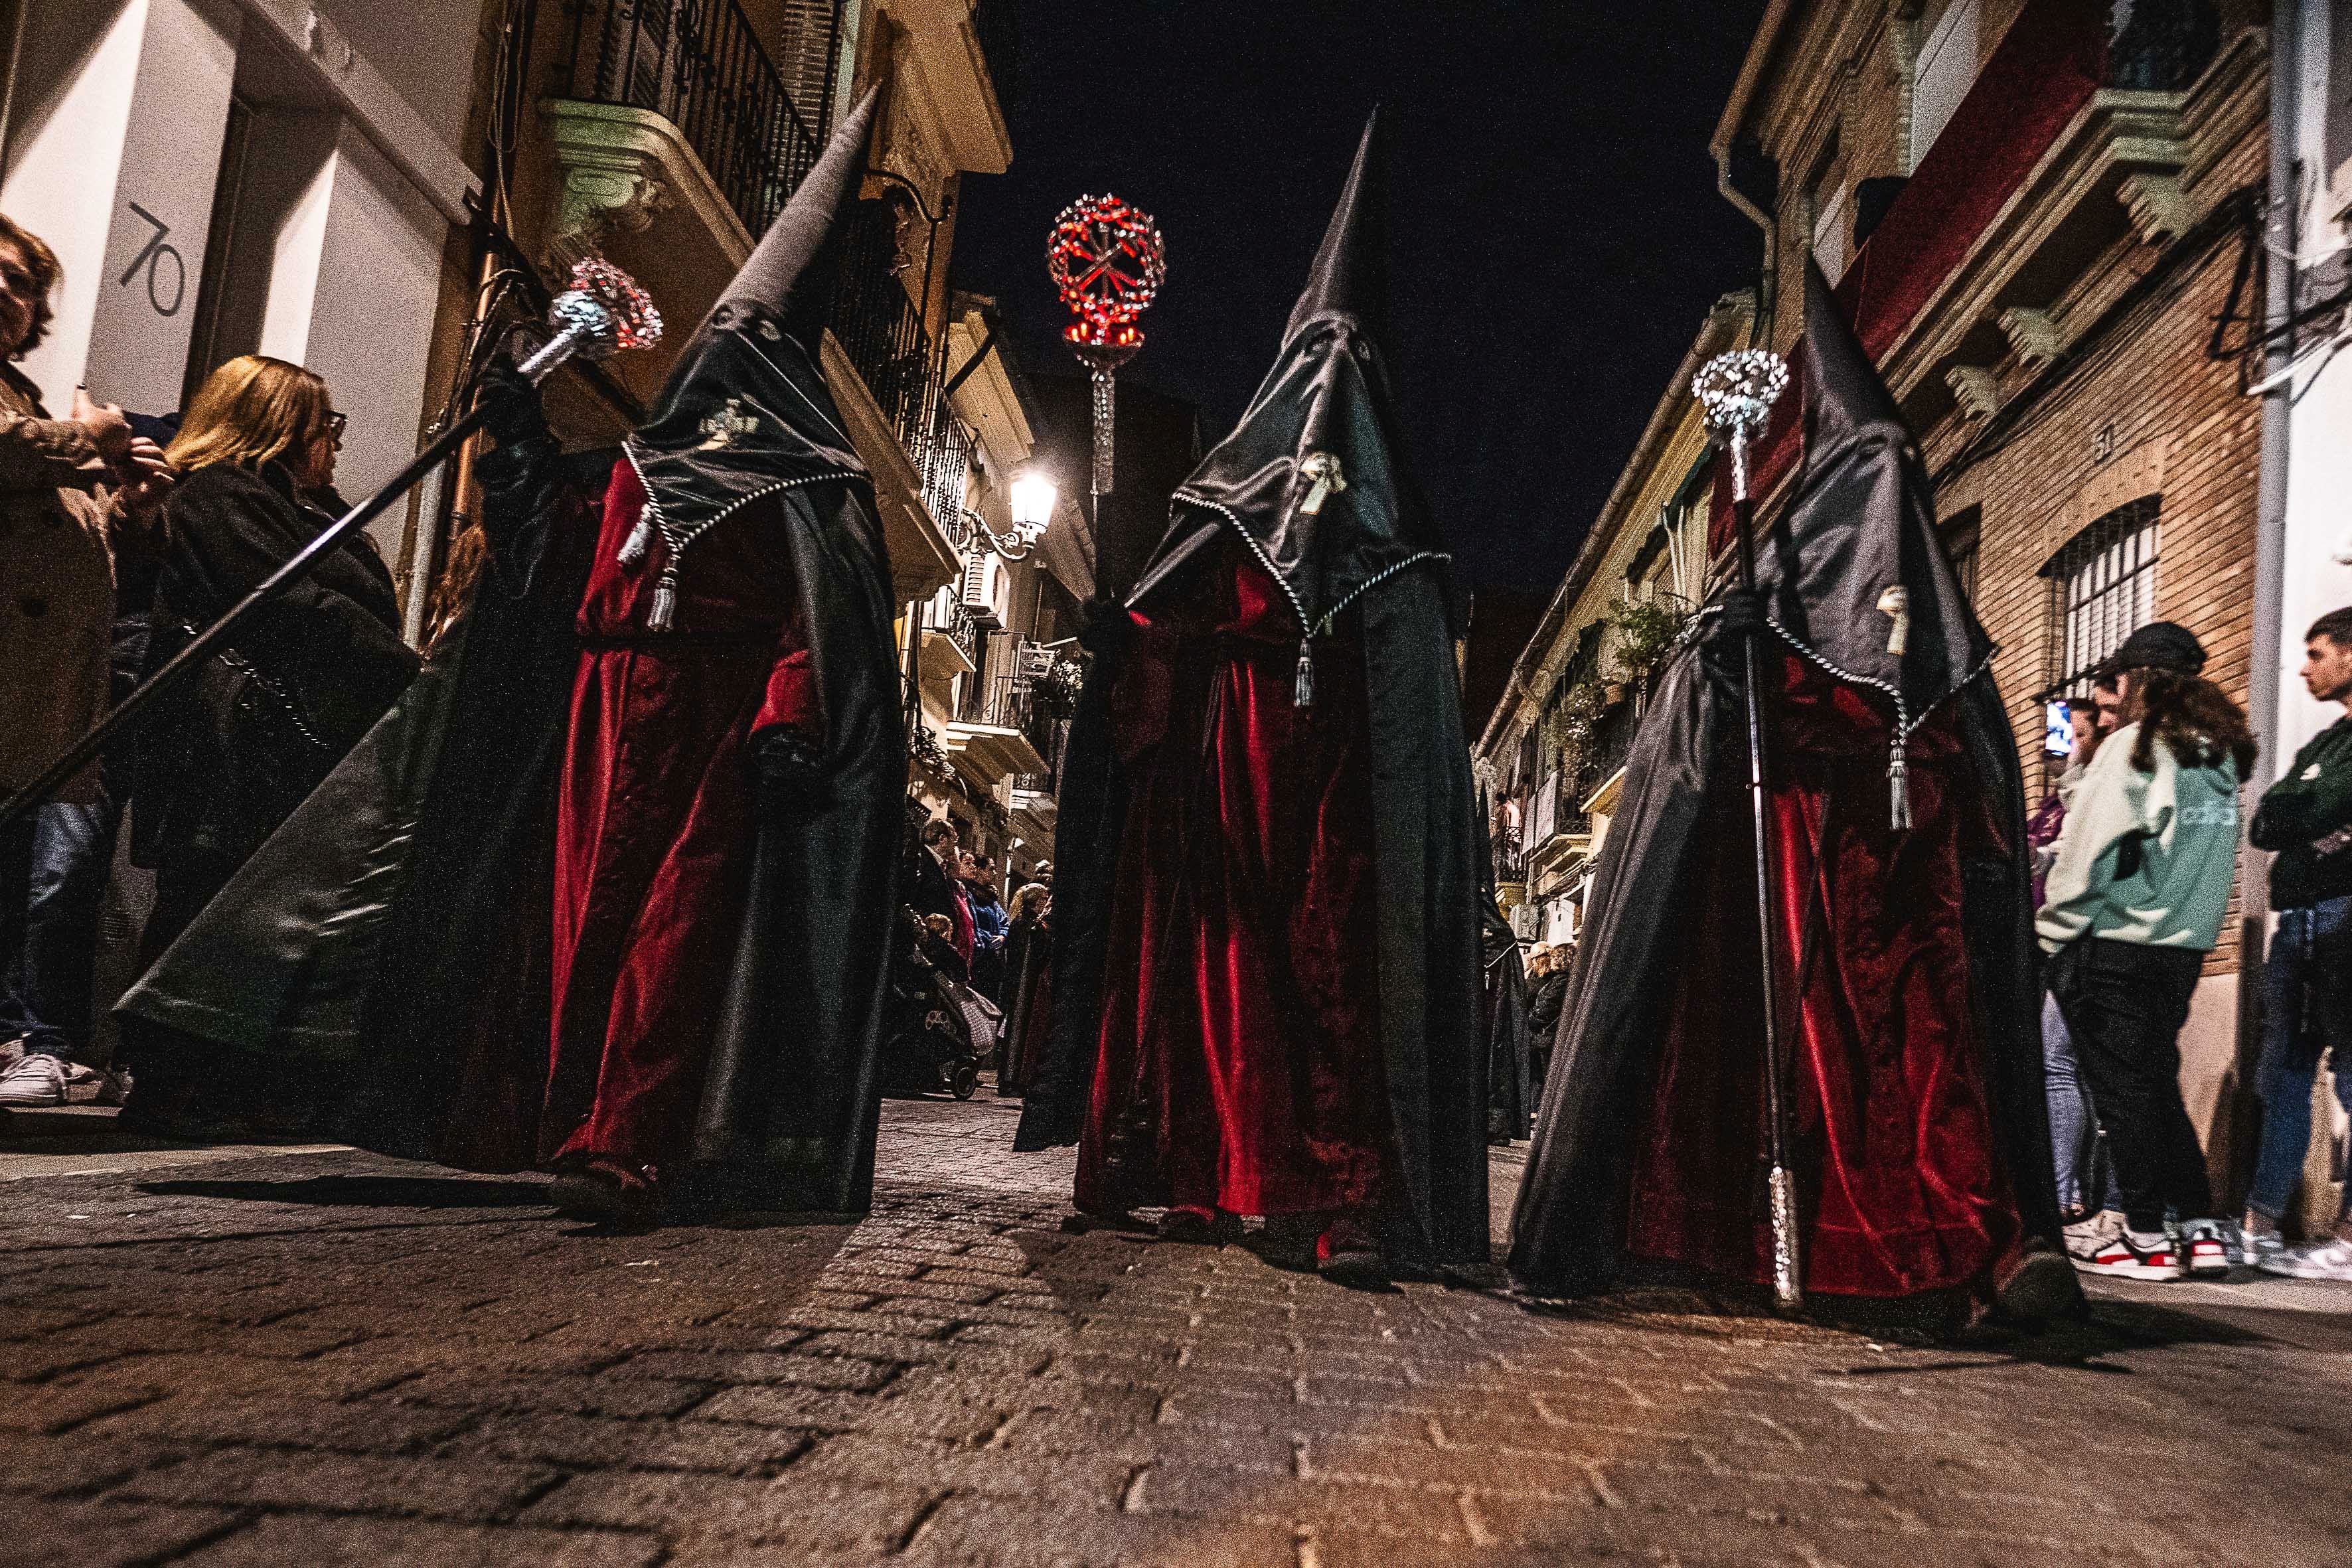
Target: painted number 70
(156, 258)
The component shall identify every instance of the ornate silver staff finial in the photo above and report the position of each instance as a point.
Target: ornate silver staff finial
(1737, 391)
(602, 313)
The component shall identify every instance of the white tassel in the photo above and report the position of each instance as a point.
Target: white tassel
(640, 541)
(665, 604)
(1898, 789)
(1303, 694)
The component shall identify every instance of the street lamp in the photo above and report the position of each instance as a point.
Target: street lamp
(1033, 497)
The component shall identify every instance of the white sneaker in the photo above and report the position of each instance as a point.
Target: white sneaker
(92, 1086)
(35, 1081)
(2256, 1248)
(2207, 1248)
(2320, 1260)
(2139, 1258)
(2087, 1238)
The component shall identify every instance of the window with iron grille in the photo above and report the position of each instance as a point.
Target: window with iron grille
(2101, 589)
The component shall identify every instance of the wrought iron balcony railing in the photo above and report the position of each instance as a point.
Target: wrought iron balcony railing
(946, 461)
(959, 628)
(880, 328)
(879, 325)
(699, 65)
(1011, 702)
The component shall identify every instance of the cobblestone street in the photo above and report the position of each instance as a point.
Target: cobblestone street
(324, 1357)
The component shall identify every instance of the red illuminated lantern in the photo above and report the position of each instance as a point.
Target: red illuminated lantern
(1106, 261)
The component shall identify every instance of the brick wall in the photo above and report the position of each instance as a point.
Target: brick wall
(2174, 426)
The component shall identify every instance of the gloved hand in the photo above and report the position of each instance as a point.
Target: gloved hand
(515, 414)
(790, 774)
(1104, 628)
(1739, 615)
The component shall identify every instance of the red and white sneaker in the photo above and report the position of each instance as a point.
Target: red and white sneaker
(2208, 1248)
(2133, 1257)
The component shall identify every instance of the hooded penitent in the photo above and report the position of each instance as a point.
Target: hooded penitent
(1895, 811)
(1279, 861)
(700, 750)
(1510, 1097)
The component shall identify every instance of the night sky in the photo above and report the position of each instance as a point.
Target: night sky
(1557, 235)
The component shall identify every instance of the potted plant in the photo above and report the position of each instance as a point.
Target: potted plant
(1646, 632)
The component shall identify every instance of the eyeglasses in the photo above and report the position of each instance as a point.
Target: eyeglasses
(336, 425)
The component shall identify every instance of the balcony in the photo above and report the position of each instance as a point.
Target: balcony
(2133, 165)
(673, 107)
(1602, 776)
(884, 372)
(962, 53)
(952, 649)
(999, 729)
(698, 65)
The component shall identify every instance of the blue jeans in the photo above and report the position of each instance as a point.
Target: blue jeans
(73, 859)
(46, 997)
(2081, 1168)
(2307, 1009)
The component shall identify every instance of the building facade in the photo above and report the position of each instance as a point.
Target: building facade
(1551, 758)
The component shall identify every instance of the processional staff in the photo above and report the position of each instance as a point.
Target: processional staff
(1737, 391)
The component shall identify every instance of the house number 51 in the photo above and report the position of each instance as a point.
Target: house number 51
(155, 259)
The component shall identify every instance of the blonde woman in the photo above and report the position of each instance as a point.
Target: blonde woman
(255, 730)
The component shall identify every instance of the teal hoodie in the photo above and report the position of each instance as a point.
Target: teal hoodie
(2144, 857)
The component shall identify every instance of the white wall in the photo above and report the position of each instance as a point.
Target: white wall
(124, 108)
(365, 307)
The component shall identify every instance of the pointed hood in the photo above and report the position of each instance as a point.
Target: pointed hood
(745, 408)
(782, 273)
(1314, 478)
(1858, 555)
(1350, 274)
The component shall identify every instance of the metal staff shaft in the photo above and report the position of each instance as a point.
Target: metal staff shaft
(1787, 1262)
(118, 719)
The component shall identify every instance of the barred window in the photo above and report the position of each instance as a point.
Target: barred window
(2101, 589)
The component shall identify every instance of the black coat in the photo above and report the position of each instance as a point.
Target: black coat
(1543, 1008)
(254, 731)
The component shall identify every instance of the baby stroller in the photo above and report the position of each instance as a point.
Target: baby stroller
(941, 1031)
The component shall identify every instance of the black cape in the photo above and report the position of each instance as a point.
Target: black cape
(1861, 521)
(1370, 551)
(357, 950)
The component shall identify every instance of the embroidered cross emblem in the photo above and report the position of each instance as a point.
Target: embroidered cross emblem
(1323, 470)
(1896, 604)
(721, 428)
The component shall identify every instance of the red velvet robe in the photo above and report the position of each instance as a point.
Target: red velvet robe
(654, 823)
(1894, 1152)
(1240, 1062)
